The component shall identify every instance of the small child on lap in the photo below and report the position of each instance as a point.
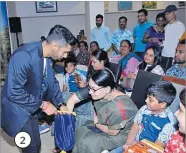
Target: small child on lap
(154, 121)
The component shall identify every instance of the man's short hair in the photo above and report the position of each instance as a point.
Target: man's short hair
(123, 17)
(61, 35)
(143, 11)
(99, 16)
(182, 96)
(163, 91)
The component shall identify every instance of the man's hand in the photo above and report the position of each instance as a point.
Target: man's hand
(64, 108)
(48, 108)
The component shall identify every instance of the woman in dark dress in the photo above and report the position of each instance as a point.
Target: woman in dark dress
(155, 34)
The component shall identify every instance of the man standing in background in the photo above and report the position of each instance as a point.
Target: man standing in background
(139, 32)
(122, 33)
(173, 32)
(101, 34)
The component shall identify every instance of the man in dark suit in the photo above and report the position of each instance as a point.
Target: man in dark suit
(31, 85)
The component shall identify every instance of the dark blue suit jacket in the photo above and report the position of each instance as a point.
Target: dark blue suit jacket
(21, 94)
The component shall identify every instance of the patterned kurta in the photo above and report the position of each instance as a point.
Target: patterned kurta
(120, 35)
(176, 144)
(109, 113)
(177, 71)
(154, 126)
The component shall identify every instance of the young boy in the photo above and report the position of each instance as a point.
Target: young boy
(177, 142)
(84, 110)
(69, 83)
(154, 121)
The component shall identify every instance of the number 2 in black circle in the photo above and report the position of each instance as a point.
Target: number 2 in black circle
(23, 140)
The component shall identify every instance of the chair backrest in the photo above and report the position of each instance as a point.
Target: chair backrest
(143, 80)
(116, 70)
(179, 84)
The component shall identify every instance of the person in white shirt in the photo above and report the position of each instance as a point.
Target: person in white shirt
(101, 34)
(173, 32)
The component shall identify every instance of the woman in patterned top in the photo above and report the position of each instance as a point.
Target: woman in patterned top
(177, 142)
(150, 63)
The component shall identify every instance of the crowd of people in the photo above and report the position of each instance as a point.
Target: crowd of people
(107, 119)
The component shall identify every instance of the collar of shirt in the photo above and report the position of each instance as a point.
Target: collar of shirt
(163, 114)
(99, 28)
(178, 66)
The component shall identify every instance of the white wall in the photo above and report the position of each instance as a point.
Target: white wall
(28, 9)
(111, 19)
(72, 15)
(136, 5)
(34, 25)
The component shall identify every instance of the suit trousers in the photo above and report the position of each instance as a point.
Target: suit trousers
(32, 128)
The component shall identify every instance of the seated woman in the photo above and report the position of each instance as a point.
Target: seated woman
(99, 60)
(83, 56)
(150, 63)
(94, 46)
(128, 60)
(155, 34)
(112, 107)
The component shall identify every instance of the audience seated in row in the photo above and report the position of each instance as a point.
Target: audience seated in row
(150, 63)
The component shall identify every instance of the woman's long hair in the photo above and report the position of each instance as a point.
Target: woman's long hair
(105, 78)
(143, 65)
(100, 55)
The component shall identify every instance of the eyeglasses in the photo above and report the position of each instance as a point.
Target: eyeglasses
(93, 90)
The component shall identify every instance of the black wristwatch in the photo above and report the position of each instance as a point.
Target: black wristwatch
(61, 104)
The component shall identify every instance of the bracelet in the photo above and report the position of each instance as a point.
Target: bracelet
(61, 104)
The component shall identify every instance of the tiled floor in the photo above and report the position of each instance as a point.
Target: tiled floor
(7, 143)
